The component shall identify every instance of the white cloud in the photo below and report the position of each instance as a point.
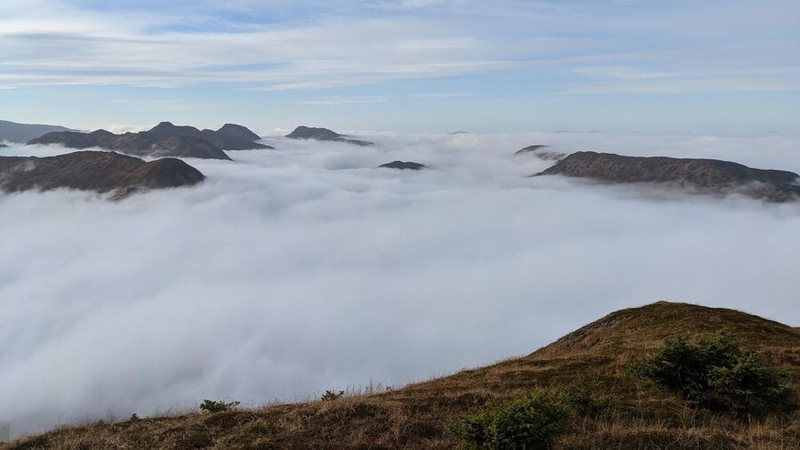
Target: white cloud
(315, 45)
(301, 269)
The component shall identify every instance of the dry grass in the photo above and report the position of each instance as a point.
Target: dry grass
(416, 416)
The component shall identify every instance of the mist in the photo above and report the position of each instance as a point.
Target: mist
(292, 271)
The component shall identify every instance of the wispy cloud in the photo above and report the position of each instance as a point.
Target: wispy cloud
(312, 45)
(346, 100)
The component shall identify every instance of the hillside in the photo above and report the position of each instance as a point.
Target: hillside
(323, 134)
(703, 175)
(94, 171)
(163, 140)
(643, 415)
(24, 132)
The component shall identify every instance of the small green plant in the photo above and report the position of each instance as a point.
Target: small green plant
(534, 423)
(330, 396)
(718, 374)
(586, 397)
(212, 406)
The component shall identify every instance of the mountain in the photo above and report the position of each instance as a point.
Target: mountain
(706, 175)
(324, 134)
(593, 360)
(541, 152)
(402, 165)
(163, 140)
(234, 131)
(94, 171)
(228, 137)
(22, 132)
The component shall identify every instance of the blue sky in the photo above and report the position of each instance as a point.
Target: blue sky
(413, 65)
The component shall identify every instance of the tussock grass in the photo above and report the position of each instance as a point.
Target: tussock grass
(416, 416)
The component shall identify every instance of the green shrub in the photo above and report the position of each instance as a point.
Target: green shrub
(718, 374)
(330, 396)
(215, 407)
(532, 423)
(586, 398)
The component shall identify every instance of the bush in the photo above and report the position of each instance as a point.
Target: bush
(718, 374)
(532, 423)
(584, 396)
(215, 407)
(330, 396)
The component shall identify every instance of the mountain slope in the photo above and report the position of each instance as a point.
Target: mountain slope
(94, 171)
(24, 132)
(643, 416)
(324, 134)
(163, 140)
(706, 175)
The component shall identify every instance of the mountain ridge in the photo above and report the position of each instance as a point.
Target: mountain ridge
(24, 132)
(707, 175)
(163, 140)
(323, 134)
(100, 172)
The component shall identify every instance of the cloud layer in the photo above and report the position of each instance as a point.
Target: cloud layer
(303, 269)
(594, 47)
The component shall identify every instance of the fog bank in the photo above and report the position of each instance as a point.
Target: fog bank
(301, 269)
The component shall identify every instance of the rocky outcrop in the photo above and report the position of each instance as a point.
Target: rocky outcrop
(402, 165)
(24, 132)
(100, 172)
(324, 134)
(541, 152)
(163, 140)
(704, 175)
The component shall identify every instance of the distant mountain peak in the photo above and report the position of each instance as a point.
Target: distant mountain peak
(24, 132)
(164, 139)
(402, 165)
(324, 134)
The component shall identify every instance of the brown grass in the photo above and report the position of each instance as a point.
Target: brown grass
(416, 416)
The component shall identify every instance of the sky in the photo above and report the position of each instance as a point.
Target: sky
(712, 66)
(293, 271)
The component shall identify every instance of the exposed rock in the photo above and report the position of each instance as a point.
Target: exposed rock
(706, 175)
(402, 165)
(23, 132)
(95, 171)
(324, 134)
(539, 150)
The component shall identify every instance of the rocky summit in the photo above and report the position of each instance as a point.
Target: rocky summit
(704, 175)
(163, 140)
(100, 172)
(324, 134)
(402, 165)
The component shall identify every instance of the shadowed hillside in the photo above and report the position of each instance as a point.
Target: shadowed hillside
(641, 415)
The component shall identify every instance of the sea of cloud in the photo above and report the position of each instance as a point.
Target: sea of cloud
(301, 269)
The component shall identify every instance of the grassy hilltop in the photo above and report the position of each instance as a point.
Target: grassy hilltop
(595, 360)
